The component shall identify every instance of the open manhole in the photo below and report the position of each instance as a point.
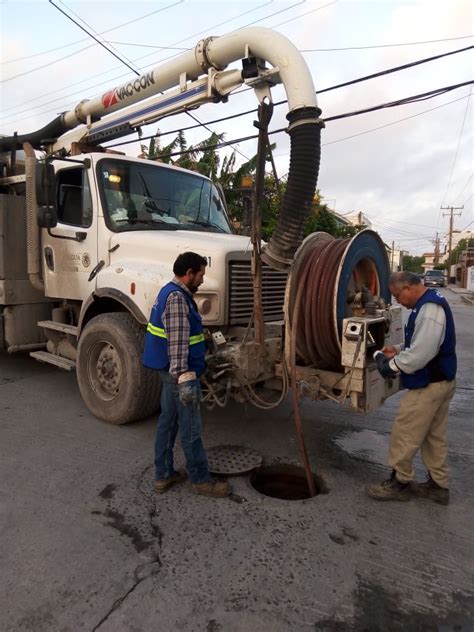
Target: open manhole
(285, 481)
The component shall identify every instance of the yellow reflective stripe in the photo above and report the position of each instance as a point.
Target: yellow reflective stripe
(193, 340)
(156, 331)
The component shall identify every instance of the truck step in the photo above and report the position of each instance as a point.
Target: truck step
(52, 324)
(50, 358)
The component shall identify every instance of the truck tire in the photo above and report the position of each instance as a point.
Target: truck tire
(114, 384)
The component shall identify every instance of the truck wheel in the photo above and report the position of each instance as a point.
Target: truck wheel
(114, 384)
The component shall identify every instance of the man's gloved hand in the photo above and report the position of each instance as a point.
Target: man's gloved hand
(187, 387)
(383, 365)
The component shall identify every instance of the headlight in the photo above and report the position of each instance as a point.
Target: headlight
(208, 305)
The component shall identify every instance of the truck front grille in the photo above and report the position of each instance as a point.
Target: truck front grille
(241, 292)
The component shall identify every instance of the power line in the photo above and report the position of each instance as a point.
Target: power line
(307, 13)
(408, 100)
(101, 74)
(94, 38)
(347, 83)
(180, 48)
(314, 50)
(232, 116)
(389, 71)
(412, 99)
(457, 147)
(465, 186)
(85, 39)
(122, 56)
(195, 118)
(406, 118)
(446, 39)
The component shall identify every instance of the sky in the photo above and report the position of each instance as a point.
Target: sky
(398, 165)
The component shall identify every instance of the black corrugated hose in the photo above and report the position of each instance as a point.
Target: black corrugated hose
(305, 134)
(50, 132)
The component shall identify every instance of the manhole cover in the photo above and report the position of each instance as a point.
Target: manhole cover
(232, 459)
(285, 481)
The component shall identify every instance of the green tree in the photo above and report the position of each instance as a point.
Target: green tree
(456, 252)
(155, 150)
(205, 159)
(413, 263)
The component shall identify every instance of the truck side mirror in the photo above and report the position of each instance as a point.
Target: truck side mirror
(45, 184)
(46, 216)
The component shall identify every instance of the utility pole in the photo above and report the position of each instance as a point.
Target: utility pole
(435, 243)
(393, 252)
(451, 214)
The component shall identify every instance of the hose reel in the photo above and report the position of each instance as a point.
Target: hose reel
(332, 279)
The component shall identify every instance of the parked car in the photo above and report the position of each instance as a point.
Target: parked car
(435, 278)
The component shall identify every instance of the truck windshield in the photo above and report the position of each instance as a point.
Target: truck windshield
(151, 197)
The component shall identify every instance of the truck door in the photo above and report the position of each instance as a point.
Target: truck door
(70, 249)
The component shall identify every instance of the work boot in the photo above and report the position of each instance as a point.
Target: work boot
(213, 488)
(163, 484)
(391, 489)
(431, 490)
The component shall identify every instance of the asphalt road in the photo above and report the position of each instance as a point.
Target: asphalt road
(86, 545)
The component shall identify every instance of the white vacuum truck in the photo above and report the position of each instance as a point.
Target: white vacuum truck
(88, 237)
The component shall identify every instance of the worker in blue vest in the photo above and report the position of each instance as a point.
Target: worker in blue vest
(427, 367)
(175, 346)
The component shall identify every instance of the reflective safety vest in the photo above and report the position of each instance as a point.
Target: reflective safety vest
(443, 365)
(155, 354)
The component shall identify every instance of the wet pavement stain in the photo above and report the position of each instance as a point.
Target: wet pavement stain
(378, 610)
(117, 521)
(365, 444)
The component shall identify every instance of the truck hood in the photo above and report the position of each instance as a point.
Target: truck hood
(162, 246)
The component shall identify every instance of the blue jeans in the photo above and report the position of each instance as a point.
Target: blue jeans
(187, 419)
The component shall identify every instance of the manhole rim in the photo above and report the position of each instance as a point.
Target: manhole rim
(321, 485)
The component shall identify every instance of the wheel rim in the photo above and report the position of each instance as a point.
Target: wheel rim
(104, 370)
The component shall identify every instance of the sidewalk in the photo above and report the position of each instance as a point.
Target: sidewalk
(466, 295)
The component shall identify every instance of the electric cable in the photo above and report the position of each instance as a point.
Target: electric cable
(102, 74)
(457, 149)
(407, 100)
(405, 118)
(322, 91)
(302, 50)
(119, 57)
(446, 39)
(94, 38)
(464, 187)
(274, 26)
(85, 39)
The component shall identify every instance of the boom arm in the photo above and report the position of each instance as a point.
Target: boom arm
(199, 76)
